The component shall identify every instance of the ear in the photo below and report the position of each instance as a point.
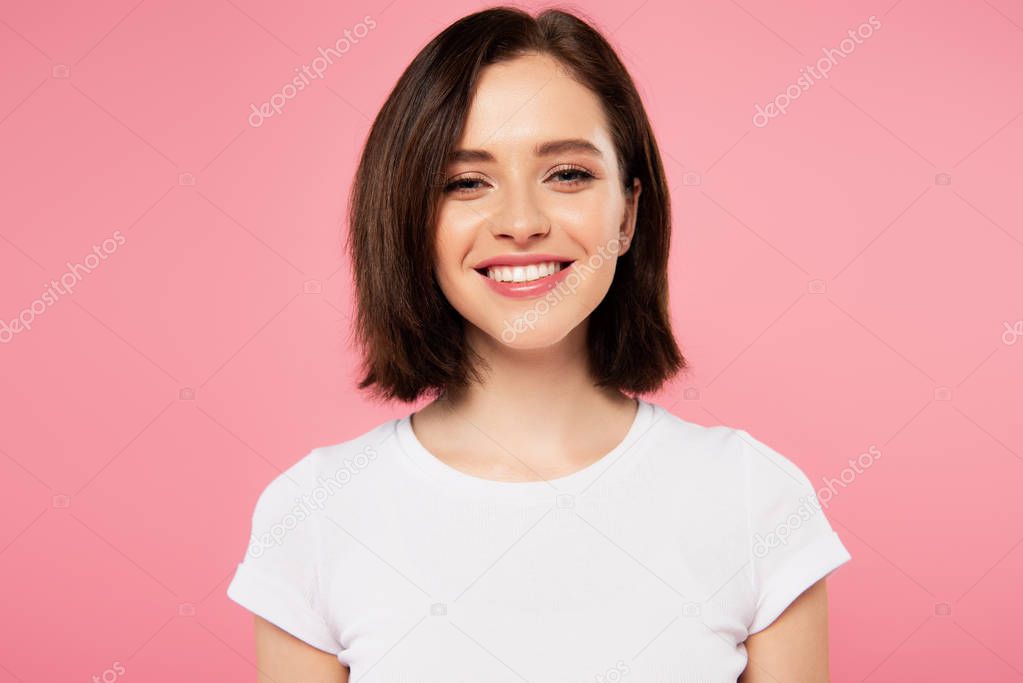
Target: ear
(628, 227)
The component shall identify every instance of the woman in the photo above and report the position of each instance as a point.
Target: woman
(538, 520)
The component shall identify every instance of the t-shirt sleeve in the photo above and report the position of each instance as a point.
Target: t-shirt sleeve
(278, 579)
(792, 544)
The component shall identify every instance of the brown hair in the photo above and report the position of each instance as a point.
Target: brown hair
(412, 339)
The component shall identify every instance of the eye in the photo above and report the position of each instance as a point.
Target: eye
(463, 185)
(572, 175)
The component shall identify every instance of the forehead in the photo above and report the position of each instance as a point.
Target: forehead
(529, 99)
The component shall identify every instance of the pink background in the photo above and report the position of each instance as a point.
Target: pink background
(845, 277)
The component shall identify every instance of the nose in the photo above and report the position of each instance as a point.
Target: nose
(520, 216)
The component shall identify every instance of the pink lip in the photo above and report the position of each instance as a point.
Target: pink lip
(528, 290)
(520, 260)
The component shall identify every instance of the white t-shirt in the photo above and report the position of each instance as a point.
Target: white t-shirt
(652, 564)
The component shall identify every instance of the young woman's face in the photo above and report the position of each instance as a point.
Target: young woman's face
(533, 186)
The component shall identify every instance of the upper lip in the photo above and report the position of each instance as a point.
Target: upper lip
(520, 260)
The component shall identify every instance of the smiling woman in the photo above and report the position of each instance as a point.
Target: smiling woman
(538, 520)
(531, 124)
(512, 179)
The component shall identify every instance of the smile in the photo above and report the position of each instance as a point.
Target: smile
(528, 273)
(525, 281)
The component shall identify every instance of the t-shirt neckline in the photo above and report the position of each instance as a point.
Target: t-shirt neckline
(573, 482)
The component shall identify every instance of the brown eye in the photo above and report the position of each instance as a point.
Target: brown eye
(572, 175)
(462, 185)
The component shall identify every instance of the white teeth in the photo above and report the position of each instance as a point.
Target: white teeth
(534, 271)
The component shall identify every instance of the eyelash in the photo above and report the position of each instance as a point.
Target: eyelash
(584, 176)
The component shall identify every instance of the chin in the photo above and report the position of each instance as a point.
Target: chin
(531, 339)
(528, 332)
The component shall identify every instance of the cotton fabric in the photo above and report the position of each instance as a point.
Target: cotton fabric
(652, 564)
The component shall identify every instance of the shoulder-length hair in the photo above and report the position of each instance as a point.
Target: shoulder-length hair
(412, 339)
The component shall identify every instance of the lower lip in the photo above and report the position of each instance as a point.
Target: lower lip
(528, 290)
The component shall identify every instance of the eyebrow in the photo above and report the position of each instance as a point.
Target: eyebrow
(542, 150)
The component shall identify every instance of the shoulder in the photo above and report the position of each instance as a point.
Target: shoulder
(725, 453)
(352, 455)
(325, 469)
(677, 442)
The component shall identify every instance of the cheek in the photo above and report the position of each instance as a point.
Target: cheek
(443, 249)
(449, 244)
(592, 223)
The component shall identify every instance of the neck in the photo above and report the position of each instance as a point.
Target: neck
(550, 389)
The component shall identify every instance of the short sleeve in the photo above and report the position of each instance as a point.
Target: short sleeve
(278, 579)
(792, 544)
